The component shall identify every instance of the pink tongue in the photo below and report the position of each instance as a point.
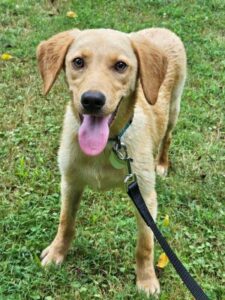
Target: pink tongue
(93, 134)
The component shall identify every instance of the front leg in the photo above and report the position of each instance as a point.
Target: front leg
(70, 199)
(143, 167)
(146, 278)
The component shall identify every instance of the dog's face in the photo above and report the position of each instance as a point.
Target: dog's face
(102, 68)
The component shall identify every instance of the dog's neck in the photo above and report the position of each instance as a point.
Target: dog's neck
(124, 115)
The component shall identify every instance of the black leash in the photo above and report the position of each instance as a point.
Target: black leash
(191, 284)
(135, 194)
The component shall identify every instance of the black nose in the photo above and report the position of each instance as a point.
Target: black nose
(92, 101)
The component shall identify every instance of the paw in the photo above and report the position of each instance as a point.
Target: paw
(149, 286)
(52, 255)
(162, 170)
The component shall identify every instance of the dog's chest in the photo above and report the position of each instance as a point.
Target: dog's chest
(99, 173)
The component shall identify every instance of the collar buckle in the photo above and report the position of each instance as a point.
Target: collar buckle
(120, 149)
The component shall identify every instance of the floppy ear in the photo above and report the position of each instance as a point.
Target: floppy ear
(50, 56)
(152, 67)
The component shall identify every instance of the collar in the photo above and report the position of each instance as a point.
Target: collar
(121, 133)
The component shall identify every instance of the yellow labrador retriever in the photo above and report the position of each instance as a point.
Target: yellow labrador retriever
(114, 78)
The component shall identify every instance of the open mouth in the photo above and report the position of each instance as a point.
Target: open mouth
(93, 133)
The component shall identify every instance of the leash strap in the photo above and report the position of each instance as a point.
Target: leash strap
(192, 285)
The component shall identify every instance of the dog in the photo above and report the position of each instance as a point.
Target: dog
(119, 82)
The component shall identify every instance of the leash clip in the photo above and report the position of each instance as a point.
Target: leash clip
(121, 151)
(130, 178)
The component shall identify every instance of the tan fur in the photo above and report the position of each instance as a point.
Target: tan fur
(155, 75)
(51, 55)
(153, 66)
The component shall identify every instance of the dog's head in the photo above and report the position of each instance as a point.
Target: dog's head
(102, 68)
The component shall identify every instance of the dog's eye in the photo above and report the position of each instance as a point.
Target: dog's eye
(78, 63)
(120, 66)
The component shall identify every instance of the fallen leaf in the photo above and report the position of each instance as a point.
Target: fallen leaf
(166, 221)
(71, 14)
(6, 56)
(163, 261)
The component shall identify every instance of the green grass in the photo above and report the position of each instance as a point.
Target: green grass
(100, 264)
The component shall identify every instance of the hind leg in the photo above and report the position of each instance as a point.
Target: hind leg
(163, 157)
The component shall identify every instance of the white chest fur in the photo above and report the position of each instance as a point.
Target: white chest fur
(95, 172)
(98, 173)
